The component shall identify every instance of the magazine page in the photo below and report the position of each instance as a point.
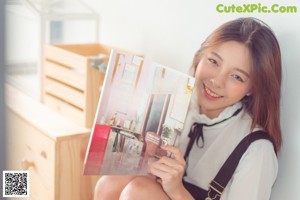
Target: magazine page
(143, 105)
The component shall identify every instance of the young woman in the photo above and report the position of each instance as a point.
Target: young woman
(238, 78)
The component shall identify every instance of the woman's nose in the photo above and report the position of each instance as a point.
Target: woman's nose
(218, 81)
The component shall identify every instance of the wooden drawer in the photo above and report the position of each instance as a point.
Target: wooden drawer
(32, 151)
(75, 55)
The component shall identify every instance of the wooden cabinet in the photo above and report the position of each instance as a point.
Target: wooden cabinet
(50, 146)
(71, 85)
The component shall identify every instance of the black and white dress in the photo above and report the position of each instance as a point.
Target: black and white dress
(257, 170)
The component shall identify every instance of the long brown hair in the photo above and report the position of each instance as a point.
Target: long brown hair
(265, 56)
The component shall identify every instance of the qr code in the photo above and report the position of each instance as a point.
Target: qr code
(15, 184)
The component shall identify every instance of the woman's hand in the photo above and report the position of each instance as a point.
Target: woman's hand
(170, 171)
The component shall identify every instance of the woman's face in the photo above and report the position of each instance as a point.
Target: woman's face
(222, 77)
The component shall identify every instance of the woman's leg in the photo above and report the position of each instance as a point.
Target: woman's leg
(110, 187)
(143, 188)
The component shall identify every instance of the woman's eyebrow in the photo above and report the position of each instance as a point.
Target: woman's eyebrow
(216, 54)
(242, 71)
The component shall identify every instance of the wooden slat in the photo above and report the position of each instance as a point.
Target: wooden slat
(64, 57)
(84, 49)
(65, 109)
(65, 93)
(65, 75)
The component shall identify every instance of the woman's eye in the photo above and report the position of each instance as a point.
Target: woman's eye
(238, 78)
(213, 61)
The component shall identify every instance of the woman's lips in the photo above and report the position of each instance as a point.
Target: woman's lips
(210, 94)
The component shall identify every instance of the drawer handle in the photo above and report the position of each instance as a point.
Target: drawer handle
(43, 154)
(26, 164)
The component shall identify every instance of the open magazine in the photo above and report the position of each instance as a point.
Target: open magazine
(142, 105)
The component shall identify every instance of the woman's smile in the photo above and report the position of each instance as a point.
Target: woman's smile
(211, 95)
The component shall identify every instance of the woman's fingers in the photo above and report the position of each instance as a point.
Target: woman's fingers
(167, 168)
(166, 164)
(166, 173)
(171, 163)
(175, 152)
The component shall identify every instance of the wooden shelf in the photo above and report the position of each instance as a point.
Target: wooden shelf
(53, 144)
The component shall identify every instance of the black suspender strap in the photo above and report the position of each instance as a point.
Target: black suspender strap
(218, 184)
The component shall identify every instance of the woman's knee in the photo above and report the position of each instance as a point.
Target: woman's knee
(102, 188)
(143, 188)
(110, 187)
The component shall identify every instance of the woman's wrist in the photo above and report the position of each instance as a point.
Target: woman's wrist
(182, 194)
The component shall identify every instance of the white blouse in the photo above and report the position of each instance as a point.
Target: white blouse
(257, 170)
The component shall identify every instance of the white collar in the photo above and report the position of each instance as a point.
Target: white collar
(202, 118)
